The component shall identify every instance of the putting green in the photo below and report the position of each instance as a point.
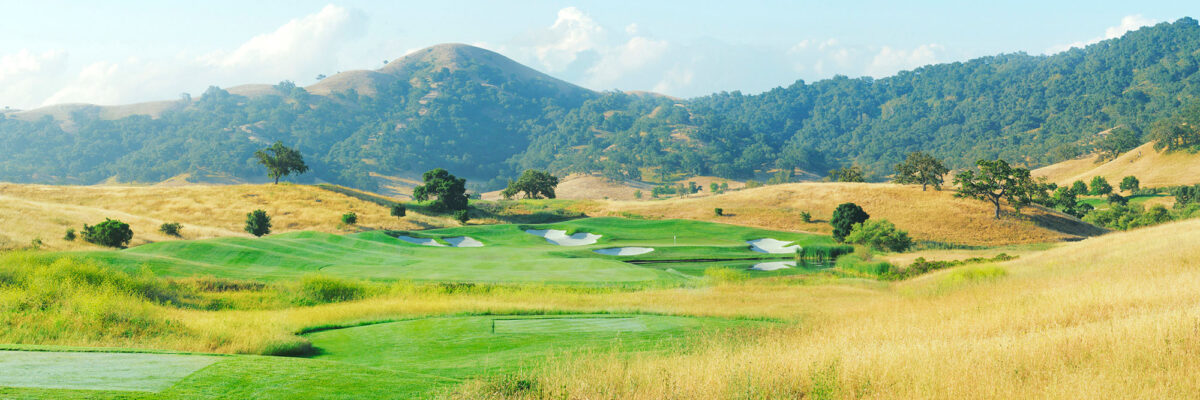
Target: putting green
(448, 348)
(97, 371)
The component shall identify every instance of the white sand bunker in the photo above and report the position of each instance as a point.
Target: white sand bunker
(768, 245)
(420, 241)
(771, 266)
(561, 238)
(463, 241)
(624, 251)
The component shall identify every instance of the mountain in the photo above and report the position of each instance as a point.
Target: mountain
(486, 117)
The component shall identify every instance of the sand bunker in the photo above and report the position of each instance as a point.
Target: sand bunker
(771, 266)
(463, 241)
(768, 245)
(624, 251)
(420, 241)
(561, 238)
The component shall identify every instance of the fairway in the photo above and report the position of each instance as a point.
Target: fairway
(495, 253)
(97, 371)
(567, 325)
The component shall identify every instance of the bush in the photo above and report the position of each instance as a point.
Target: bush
(70, 236)
(111, 233)
(462, 216)
(171, 228)
(398, 210)
(880, 235)
(321, 289)
(855, 263)
(805, 216)
(637, 194)
(844, 218)
(718, 211)
(258, 223)
(350, 218)
(1114, 198)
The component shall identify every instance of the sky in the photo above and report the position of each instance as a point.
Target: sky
(120, 52)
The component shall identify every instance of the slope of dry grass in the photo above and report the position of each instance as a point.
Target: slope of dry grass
(1117, 315)
(929, 215)
(1152, 168)
(44, 211)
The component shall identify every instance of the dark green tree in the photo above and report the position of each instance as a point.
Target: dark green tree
(1099, 187)
(922, 169)
(1130, 184)
(111, 233)
(350, 218)
(398, 210)
(450, 191)
(462, 216)
(848, 174)
(281, 161)
(1180, 132)
(996, 181)
(171, 228)
(879, 235)
(1117, 141)
(844, 218)
(534, 183)
(1079, 188)
(258, 223)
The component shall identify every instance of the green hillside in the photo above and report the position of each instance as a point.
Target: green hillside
(485, 117)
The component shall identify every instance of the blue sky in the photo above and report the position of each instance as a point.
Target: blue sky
(129, 51)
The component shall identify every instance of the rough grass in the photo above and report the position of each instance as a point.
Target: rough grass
(1111, 315)
(929, 215)
(43, 211)
(1152, 168)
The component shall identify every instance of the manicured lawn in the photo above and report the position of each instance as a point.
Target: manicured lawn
(508, 255)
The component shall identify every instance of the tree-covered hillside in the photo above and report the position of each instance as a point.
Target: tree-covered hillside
(484, 117)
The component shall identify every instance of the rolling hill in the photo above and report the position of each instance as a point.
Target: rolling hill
(1152, 168)
(486, 117)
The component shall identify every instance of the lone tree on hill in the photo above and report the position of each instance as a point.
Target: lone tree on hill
(848, 174)
(921, 168)
(1079, 188)
(536, 184)
(996, 181)
(1130, 184)
(1100, 187)
(1117, 141)
(844, 218)
(258, 223)
(451, 191)
(111, 233)
(398, 210)
(281, 161)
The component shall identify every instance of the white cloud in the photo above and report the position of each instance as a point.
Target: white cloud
(616, 63)
(297, 50)
(889, 61)
(572, 33)
(1128, 23)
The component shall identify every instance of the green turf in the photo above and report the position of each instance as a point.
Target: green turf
(451, 348)
(509, 254)
(97, 371)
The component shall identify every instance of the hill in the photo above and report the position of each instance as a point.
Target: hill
(486, 117)
(1152, 168)
(930, 215)
(45, 212)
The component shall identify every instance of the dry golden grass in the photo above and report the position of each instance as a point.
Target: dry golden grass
(929, 215)
(1114, 316)
(43, 211)
(1152, 168)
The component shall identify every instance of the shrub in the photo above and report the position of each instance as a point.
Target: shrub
(880, 235)
(637, 194)
(258, 223)
(805, 216)
(462, 216)
(855, 263)
(1114, 198)
(36, 243)
(111, 233)
(70, 236)
(398, 210)
(170, 228)
(321, 289)
(844, 218)
(718, 211)
(350, 218)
